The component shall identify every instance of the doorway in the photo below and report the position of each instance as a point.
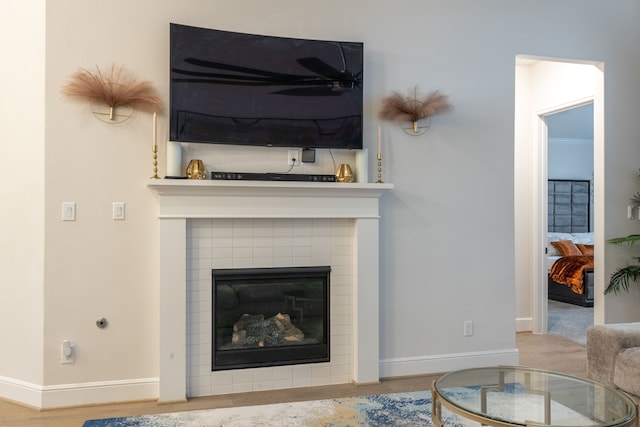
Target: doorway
(570, 155)
(545, 87)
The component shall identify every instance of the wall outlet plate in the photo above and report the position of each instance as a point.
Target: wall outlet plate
(67, 352)
(293, 159)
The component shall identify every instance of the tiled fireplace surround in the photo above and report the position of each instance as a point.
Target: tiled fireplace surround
(231, 224)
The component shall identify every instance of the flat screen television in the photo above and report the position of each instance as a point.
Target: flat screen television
(246, 89)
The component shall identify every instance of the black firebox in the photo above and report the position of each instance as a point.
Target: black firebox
(270, 316)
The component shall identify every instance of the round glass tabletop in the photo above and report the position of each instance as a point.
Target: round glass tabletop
(513, 395)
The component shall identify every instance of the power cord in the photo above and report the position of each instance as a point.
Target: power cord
(333, 160)
(293, 161)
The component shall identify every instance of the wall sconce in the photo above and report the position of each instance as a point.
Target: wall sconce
(413, 113)
(108, 92)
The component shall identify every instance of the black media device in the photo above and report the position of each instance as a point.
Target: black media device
(246, 89)
(250, 176)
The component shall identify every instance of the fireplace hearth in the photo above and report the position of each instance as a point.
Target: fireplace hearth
(270, 317)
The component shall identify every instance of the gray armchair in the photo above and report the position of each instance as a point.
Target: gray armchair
(613, 356)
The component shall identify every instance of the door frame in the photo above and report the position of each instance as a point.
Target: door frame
(540, 218)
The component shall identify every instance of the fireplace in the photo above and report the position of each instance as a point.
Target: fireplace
(269, 317)
(345, 221)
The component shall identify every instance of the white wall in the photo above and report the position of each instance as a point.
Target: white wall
(22, 186)
(570, 159)
(447, 237)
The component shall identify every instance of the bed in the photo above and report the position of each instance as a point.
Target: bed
(570, 243)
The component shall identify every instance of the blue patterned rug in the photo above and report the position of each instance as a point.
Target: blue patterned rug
(397, 410)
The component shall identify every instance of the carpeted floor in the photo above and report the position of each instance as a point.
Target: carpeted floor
(569, 321)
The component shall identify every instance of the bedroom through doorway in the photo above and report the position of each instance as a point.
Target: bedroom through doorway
(570, 208)
(549, 93)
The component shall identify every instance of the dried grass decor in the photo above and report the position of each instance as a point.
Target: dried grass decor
(113, 88)
(412, 108)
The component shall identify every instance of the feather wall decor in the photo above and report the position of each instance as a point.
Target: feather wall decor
(113, 88)
(412, 108)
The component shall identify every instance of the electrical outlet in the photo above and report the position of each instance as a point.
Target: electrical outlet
(67, 352)
(293, 159)
(468, 328)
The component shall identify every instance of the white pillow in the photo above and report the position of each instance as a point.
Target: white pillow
(584, 238)
(555, 236)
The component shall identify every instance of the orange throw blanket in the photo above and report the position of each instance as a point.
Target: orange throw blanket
(569, 270)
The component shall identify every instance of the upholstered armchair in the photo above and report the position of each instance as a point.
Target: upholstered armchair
(613, 356)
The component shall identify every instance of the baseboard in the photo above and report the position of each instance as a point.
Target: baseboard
(405, 366)
(21, 392)
(524, 324)
(65, 395)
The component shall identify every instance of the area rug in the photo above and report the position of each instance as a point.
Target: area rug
(569, 321)
(389, 410)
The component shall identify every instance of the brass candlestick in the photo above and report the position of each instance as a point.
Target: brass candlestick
(379, 181)
(155, 163)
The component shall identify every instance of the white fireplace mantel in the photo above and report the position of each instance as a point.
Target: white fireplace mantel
(180, 200)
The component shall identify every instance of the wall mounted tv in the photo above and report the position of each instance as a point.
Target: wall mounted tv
(247, 89)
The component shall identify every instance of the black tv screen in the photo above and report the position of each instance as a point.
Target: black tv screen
(247, 89)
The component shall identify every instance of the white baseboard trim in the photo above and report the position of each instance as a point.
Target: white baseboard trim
(64, 395)
(405, 366)
(524, 324)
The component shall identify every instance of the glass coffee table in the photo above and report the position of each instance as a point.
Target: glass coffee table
(517, 396)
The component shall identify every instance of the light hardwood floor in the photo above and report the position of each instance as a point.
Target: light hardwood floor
(537, 351)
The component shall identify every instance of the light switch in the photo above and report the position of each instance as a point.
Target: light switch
(118, 210)
(68, 211)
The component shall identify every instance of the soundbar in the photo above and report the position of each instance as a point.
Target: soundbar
(249, 176)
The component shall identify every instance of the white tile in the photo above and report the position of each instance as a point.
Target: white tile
(283, 384)
(242, 252)
(263, 242)
(340, 360)
(242, 242)
(283, 241)
(302, 251)
(339, 340)
(282, 373)
(218, 253)
(221, 223)
(262, 262)
(339, 350)
(243, 263)
(221, 389)
(302, 382)
(221, 378)
(320, 370)
(263, 223)
(282, 251)
(242, 226)
(262, 385)
(203, 391)
(222, 242)
(268, 242)
(263, 374)
(242, 376)
(301, 261)
(341, 379)
(283, 223)
(302, 371)
(242, 388)
(262, 252)
(320, 381)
